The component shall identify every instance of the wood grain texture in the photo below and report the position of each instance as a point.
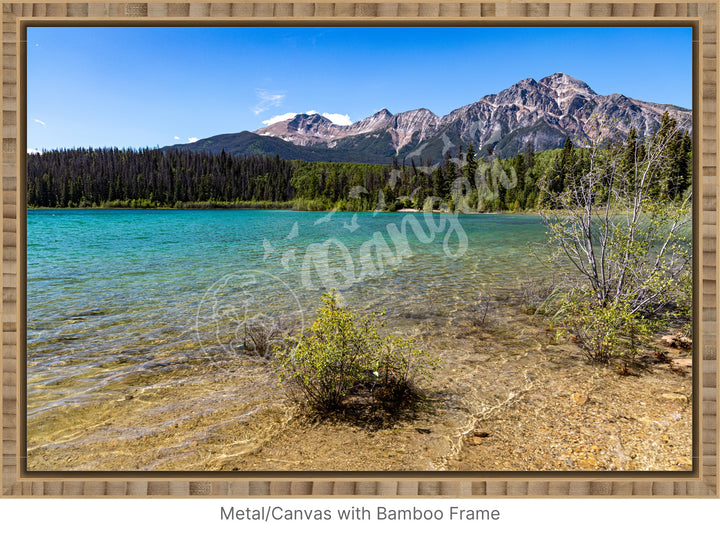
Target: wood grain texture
(702, 483)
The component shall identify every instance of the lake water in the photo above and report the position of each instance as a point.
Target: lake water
(115, 293)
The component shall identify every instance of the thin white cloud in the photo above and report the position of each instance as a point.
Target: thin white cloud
(34, 151)
(278, 118)
(193, 139)
(336, 118)
(176, 137)
(267, 100)
(38, 121)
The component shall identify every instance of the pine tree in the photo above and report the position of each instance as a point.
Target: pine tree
(470, 164)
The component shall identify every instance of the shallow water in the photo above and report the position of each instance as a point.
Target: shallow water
(120, 298)
(137, 320)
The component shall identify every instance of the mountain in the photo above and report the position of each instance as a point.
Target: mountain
(542, 113)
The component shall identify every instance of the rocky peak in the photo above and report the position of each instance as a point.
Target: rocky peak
(303, 129)
(304, 121)
(421, 115)
(528, 95)
(564, 84)
(527, 82)
(377, 120)
(382, 114)
(406, 124)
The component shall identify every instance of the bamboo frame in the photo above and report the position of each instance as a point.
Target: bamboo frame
(702, 481)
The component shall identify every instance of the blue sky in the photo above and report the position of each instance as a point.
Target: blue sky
(147, 87)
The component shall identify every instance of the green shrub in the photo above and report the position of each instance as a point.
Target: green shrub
(396, 370)
(605, 333)
(343, 353)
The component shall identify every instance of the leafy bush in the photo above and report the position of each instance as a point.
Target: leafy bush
(605, 333)
(397, 368)
(343, 353)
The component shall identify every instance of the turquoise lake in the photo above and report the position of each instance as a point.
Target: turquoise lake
(118, 291)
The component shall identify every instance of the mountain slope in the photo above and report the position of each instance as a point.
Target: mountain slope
(541, 114)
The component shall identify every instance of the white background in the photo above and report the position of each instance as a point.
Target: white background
(538, 516)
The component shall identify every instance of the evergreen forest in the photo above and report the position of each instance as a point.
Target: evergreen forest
(465, 180)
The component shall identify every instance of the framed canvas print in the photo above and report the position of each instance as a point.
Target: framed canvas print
(359, 249)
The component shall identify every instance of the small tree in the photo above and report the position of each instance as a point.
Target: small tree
(328, 362)
(344, 352)
(618, 228)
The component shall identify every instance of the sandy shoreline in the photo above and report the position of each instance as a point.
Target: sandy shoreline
(511, 396)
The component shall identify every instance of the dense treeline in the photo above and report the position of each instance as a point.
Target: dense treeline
(152, 177)
(175, 178)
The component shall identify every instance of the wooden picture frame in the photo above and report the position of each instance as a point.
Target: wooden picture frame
(702, 481)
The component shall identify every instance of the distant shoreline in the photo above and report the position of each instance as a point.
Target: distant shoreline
(272, 208)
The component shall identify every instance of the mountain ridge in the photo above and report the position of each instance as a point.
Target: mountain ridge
(540, 113)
